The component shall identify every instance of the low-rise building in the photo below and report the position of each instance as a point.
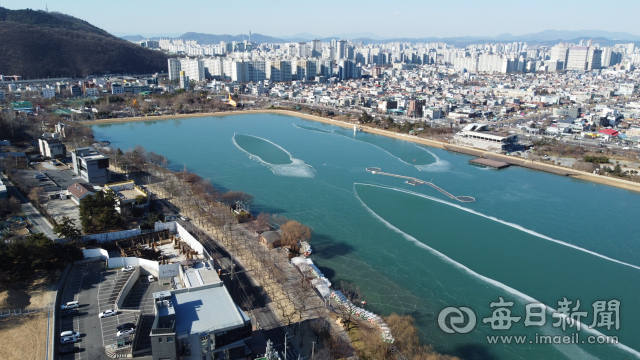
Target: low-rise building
(478, 136)
(91, 91)
(201, 322)
(271, 238)
(127, 193)
(79, 191)
(75, 90)
(52, 148)
(91, 165)
(48, 93)
(117, 89)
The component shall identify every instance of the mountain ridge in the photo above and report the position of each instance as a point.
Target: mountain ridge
(39, 44)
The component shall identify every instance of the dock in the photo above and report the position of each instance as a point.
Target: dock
(415, 182)
(489, 163)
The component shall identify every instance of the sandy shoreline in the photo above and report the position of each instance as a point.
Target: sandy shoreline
(619, 183)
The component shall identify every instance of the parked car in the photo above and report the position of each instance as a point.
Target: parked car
(68, 340)
(107, 313)
(67, 350)
(150, 278)
(69, 313)
(70, 305)
(128, 268)
(69, 334)
(125, 332)
(126, 326)
(184, 218)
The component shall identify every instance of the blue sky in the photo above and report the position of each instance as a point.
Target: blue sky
(398, 18)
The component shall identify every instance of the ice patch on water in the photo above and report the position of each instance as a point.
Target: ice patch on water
(579, 353)
(297, 168)
(438, 166)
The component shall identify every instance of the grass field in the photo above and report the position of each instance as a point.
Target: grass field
(24, 337)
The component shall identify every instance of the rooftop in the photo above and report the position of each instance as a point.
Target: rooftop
(204, 309)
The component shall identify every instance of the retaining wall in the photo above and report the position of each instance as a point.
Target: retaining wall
(94, 253)
(148, 267)
(56, 318)
(122, 295)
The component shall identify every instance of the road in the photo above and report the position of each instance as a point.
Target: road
(30, 211)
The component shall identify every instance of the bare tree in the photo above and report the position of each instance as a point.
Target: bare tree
(292, 233)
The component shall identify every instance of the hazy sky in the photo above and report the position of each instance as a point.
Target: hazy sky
(397, 18)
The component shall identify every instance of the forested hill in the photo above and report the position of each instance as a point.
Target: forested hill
(38, 44)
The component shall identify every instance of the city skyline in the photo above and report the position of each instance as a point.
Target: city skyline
(407, 19)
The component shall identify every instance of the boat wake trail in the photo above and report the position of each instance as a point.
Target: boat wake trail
(576, 352)
(297, 168)
(312, 128)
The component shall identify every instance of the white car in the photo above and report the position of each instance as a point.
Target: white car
(70, 305)
(125, 332)
(69, 334)
(107, 313)
(68, 340)
(184, 218)
(150, 278)
(128, 268)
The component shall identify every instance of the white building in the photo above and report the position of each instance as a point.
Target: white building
(174, 68)
(479, 136)
(48, 93)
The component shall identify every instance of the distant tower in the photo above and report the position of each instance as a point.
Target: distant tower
(46, 6)
(249, 36)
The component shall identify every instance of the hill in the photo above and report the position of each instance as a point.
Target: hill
(38, 44)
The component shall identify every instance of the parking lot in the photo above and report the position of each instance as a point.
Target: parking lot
(110, 285)
(72, 291)
(57, 179)
(65, 207)
(96, 289)
(140, 297)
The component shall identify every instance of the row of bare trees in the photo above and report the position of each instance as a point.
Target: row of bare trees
(212, 211)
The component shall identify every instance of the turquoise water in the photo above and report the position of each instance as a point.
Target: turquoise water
(269, 152)
(530, 236)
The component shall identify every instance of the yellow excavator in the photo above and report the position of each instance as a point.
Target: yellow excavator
(231, 101)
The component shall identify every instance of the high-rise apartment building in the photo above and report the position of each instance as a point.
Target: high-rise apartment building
(341, 52)
(560, 54)
(316, 48)
(594, 58)
(184, 81)
(174, 68)
(577, 58)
